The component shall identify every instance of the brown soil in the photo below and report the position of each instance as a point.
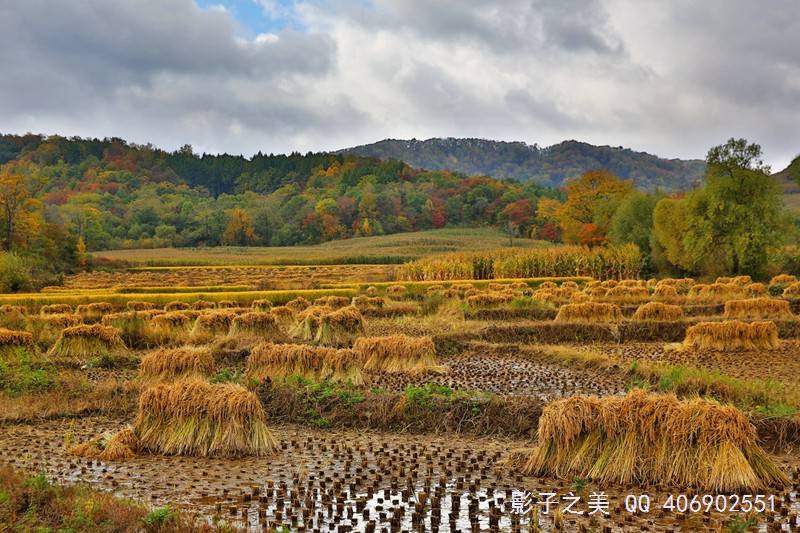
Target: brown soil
(319, 480)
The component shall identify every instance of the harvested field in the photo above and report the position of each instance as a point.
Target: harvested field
(366, 385)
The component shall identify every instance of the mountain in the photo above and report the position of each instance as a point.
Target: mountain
(789, 181)
(548, 166)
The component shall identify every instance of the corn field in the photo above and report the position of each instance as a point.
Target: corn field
(613, 262)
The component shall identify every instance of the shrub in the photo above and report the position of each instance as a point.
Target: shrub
(15, 273)
(651, 439)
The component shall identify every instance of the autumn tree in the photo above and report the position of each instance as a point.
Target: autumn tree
(516, 216)
(239, 231)
(19, 208)
(591, 202)
(633, 221)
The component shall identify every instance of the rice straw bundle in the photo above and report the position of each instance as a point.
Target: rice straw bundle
(255, 324)
(589, 312)
(268, 360)
(167, 364)
(647, 439)
(12, 340)
(211, 324)
(261, 305)
(192, 417)
(84, 341)
(94, 312)
(140, 306)
(121, 446)
(170, 326)
(340, 327)
(732, 335)
(203, 305)
(334, 302)
(758, 308)
(307, 322)
(55, 309)
(783, 279)
(298, 304)
(396, 290)
(658, 311)
(793, 290)
(398, 353)
(177, 306)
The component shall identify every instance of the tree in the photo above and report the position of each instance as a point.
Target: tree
(669, 228)
(262, 226)
(18, 207)
(517, 215)
(633, 221)
(731, 224)
(591, 199)
(239, 231)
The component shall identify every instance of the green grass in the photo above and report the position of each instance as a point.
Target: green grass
(383, 249)
(22, 372)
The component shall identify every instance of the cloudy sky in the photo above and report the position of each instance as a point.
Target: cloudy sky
(669, 77)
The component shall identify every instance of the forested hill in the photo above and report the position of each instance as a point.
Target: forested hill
(104, 194)
(549, 166)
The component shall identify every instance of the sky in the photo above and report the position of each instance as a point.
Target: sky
(671, 78)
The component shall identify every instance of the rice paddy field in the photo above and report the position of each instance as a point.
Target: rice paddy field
(387, 397)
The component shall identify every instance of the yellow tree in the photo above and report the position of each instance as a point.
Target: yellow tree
(591, 201)
(18, 207)
(239, 231)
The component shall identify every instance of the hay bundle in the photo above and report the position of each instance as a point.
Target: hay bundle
(366, 302)
(255, 324)
(307, 322)
(118, 447)
(646, 438)
(84, 341)
(756, 289)
(658, 311)
(192, 417)
(596, 292)
(211, 324)
(497, 286)
(488, 299)
(758, 308)
(569, 285)
(268, 360)
(170, 326)
(436, 287)
(340, 327)
(742, 281)
(697, 289)
(793, 290)
(261, 305)
(283, 315)
(633, 283)
(13, 316)
(56, 309)
(783, 279)
(372, 291)
(134, 326)
(177, 306)
(732, 335)
(166, 364)
(12, 340)
(334, 302)
(94, 312)
(589, 312)
(462, 287)
(398, 353)
(298, 304)
(547, 285)
(579, 298)
(47, 328)
(396, 290)
(140, 306)
(609, 284)
(724, 280)
(627, 294)
(202, 305)
(665, 292)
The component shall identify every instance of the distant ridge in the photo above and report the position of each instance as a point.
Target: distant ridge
(549, 166)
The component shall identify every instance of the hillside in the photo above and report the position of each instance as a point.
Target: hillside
(789, 181)
(549, 166)
(395, 248)
(113, 194)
